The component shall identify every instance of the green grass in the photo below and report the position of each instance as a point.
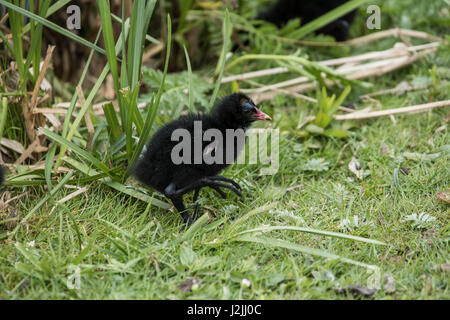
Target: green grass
(105, 231)
(127, 249)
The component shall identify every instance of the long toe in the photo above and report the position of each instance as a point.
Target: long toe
(220, 178)
(188, 220)
(187, 224)
(222, 194)
(224, 185)
(196, 212)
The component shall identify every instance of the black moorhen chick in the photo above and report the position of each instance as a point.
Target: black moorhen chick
(284, 10)
(2, 175)
(202, 160)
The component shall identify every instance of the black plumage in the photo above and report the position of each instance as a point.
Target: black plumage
(307, 10)
(157, 168)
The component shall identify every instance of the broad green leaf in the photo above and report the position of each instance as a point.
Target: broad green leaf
(317, 129)
(337, 132)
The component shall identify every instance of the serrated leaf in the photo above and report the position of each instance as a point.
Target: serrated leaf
(316, 165)
(420, 221)
(175, 97)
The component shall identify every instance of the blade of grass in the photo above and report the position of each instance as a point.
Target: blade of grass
(226, 30)
(93, 92)
(135, 44)
(44, 200)
(191, 94)
(16, 24)
(117, 185)
(50, 155)
(193, 230)
(339, 100)
(313, 231)
(131, 101)
(312, 67)
(80, 151)
(148, 124)
(74, 222)
(166, 65)
(113, 122)
(111, 52)
(278, 243)
(129, 111)
(34, 52)
(108, 38)
(71, 108)
(123, 67)
(3, 114)
(249, 214)
(148, 37)
(52, 26)
(329, 17)
(54, 7)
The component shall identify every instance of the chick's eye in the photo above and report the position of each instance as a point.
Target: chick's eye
(247, 107)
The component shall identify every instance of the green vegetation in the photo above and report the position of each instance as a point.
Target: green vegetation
(353, 202)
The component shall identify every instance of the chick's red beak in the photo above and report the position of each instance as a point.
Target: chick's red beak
(259, 115)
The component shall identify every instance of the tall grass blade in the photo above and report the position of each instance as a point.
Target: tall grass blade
(226, 30)
(278, 243)
(113, 123)
(44, 200)
(314, 231)
(153, 107)
(53, 8)
(117, 185)
(249, 214)
(71, 108)
(191, 92)
(51, 25)
(80, 151)
(329, 17)
(108, 38)
(195, 228)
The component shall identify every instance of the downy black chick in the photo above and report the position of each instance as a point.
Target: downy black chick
(202, 158)
(307, 10)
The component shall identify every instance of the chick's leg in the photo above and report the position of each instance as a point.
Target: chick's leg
(177, 199)
(178, 203)
(176, 195)
(197, 191)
